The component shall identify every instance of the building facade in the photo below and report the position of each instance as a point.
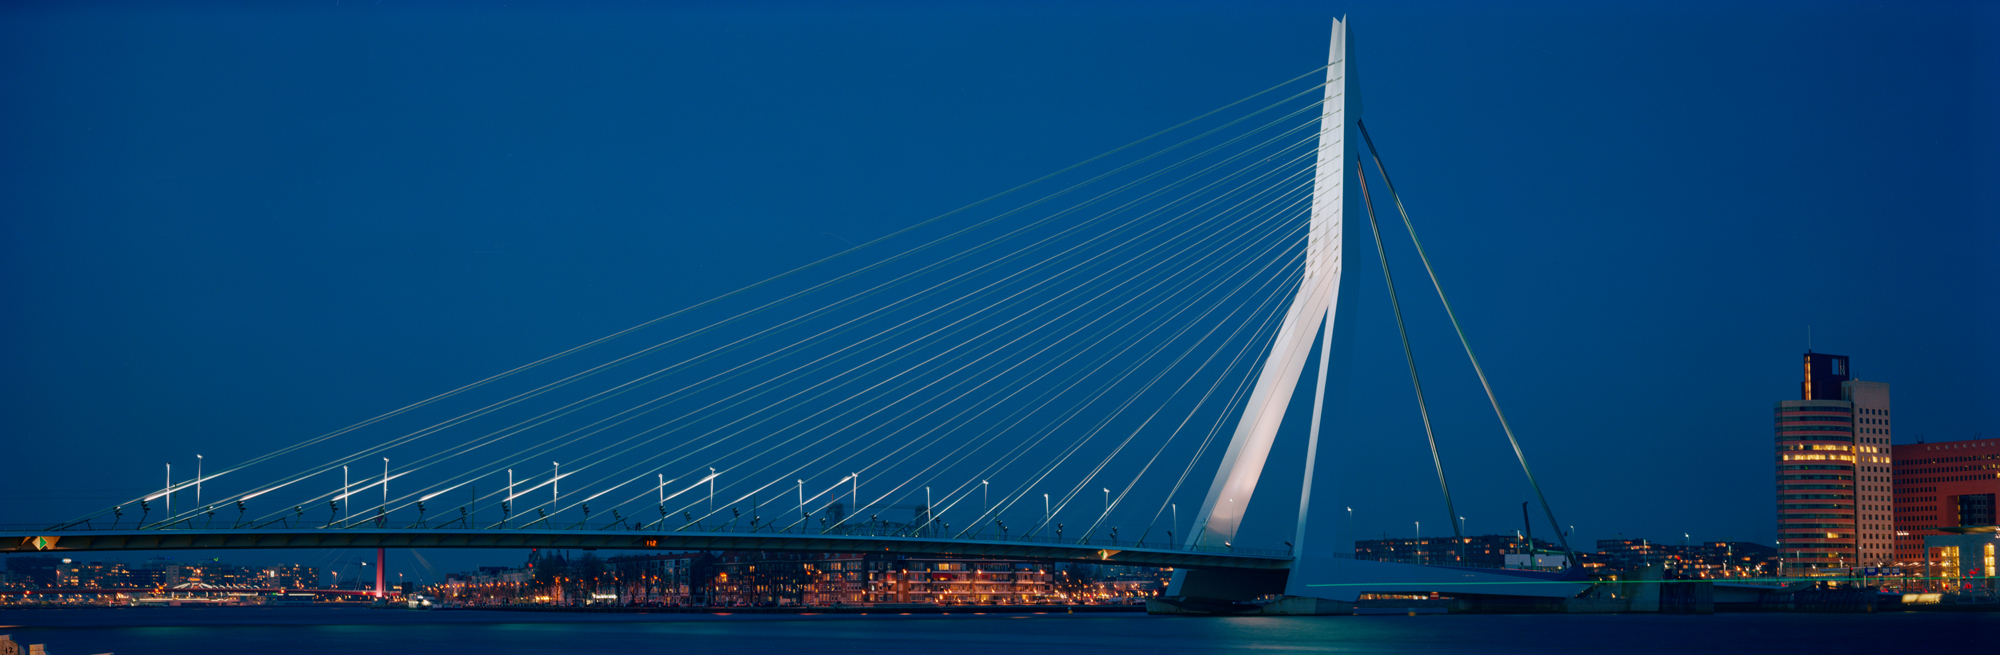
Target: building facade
(1713, 559)
(289, 576)
(1483, 551)
(1951, 484)
(1835, 471)
(786, 579)
(825, 579)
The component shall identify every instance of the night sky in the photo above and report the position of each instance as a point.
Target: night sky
(234, 226)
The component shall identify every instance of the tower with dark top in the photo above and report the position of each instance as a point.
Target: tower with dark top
(1824, 373)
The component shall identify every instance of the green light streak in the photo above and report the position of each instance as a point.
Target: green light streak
(1775, 581)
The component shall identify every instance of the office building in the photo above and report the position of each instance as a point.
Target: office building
(1836, 494)
(1950, 484)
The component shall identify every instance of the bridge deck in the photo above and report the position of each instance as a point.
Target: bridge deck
(73, 540)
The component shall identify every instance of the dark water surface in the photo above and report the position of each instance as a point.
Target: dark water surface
(305, 631)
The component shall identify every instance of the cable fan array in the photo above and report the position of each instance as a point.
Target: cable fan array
(1050, 363)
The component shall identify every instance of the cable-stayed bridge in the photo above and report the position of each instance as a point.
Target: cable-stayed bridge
(1026, 376)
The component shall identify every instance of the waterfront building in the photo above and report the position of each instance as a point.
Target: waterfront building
(1713, 559)
(93, 575)
(678, 579)
(776, 579)
(1110, 581)
(954, 581)
(1963, 561)
(1484, 551)
(1835, 470)
(33, 570)
(491, 585)
(784, 579)
(289, 576)
(1949, 484)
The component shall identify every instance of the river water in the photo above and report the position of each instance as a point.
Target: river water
(307, 631)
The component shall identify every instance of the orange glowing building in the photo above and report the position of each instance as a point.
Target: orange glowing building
(1950, 484)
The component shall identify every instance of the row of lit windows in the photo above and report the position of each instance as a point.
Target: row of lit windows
(1817, 447)
(1817, 457)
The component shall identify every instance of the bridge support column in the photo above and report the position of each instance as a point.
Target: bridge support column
(380, 590)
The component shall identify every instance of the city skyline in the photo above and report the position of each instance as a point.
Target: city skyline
(209, 327)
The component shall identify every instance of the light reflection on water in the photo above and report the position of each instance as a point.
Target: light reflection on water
(309, 631)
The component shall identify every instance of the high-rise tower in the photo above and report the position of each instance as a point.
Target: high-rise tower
(1835, 493)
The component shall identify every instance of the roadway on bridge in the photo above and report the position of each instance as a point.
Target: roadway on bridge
(1127, 553)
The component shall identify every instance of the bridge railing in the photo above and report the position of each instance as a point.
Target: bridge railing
(873, 530)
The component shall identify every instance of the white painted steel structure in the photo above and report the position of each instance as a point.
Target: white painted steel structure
(1313, 313)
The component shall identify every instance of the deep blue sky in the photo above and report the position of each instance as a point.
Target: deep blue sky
(232, 226)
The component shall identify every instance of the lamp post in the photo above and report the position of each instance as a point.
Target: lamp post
(170, 490)
(385, 487)
(197, 481)
(555, 490)
(1177, 518)
(344, 492)
(711, 490)
(985, 497)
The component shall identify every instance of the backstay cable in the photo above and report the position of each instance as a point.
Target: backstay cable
(1516, 443)
(1451, 513)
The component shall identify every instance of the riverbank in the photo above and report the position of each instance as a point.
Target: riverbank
(312, 631)
(975, 610)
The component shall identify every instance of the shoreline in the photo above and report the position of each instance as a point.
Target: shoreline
(155, 617)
